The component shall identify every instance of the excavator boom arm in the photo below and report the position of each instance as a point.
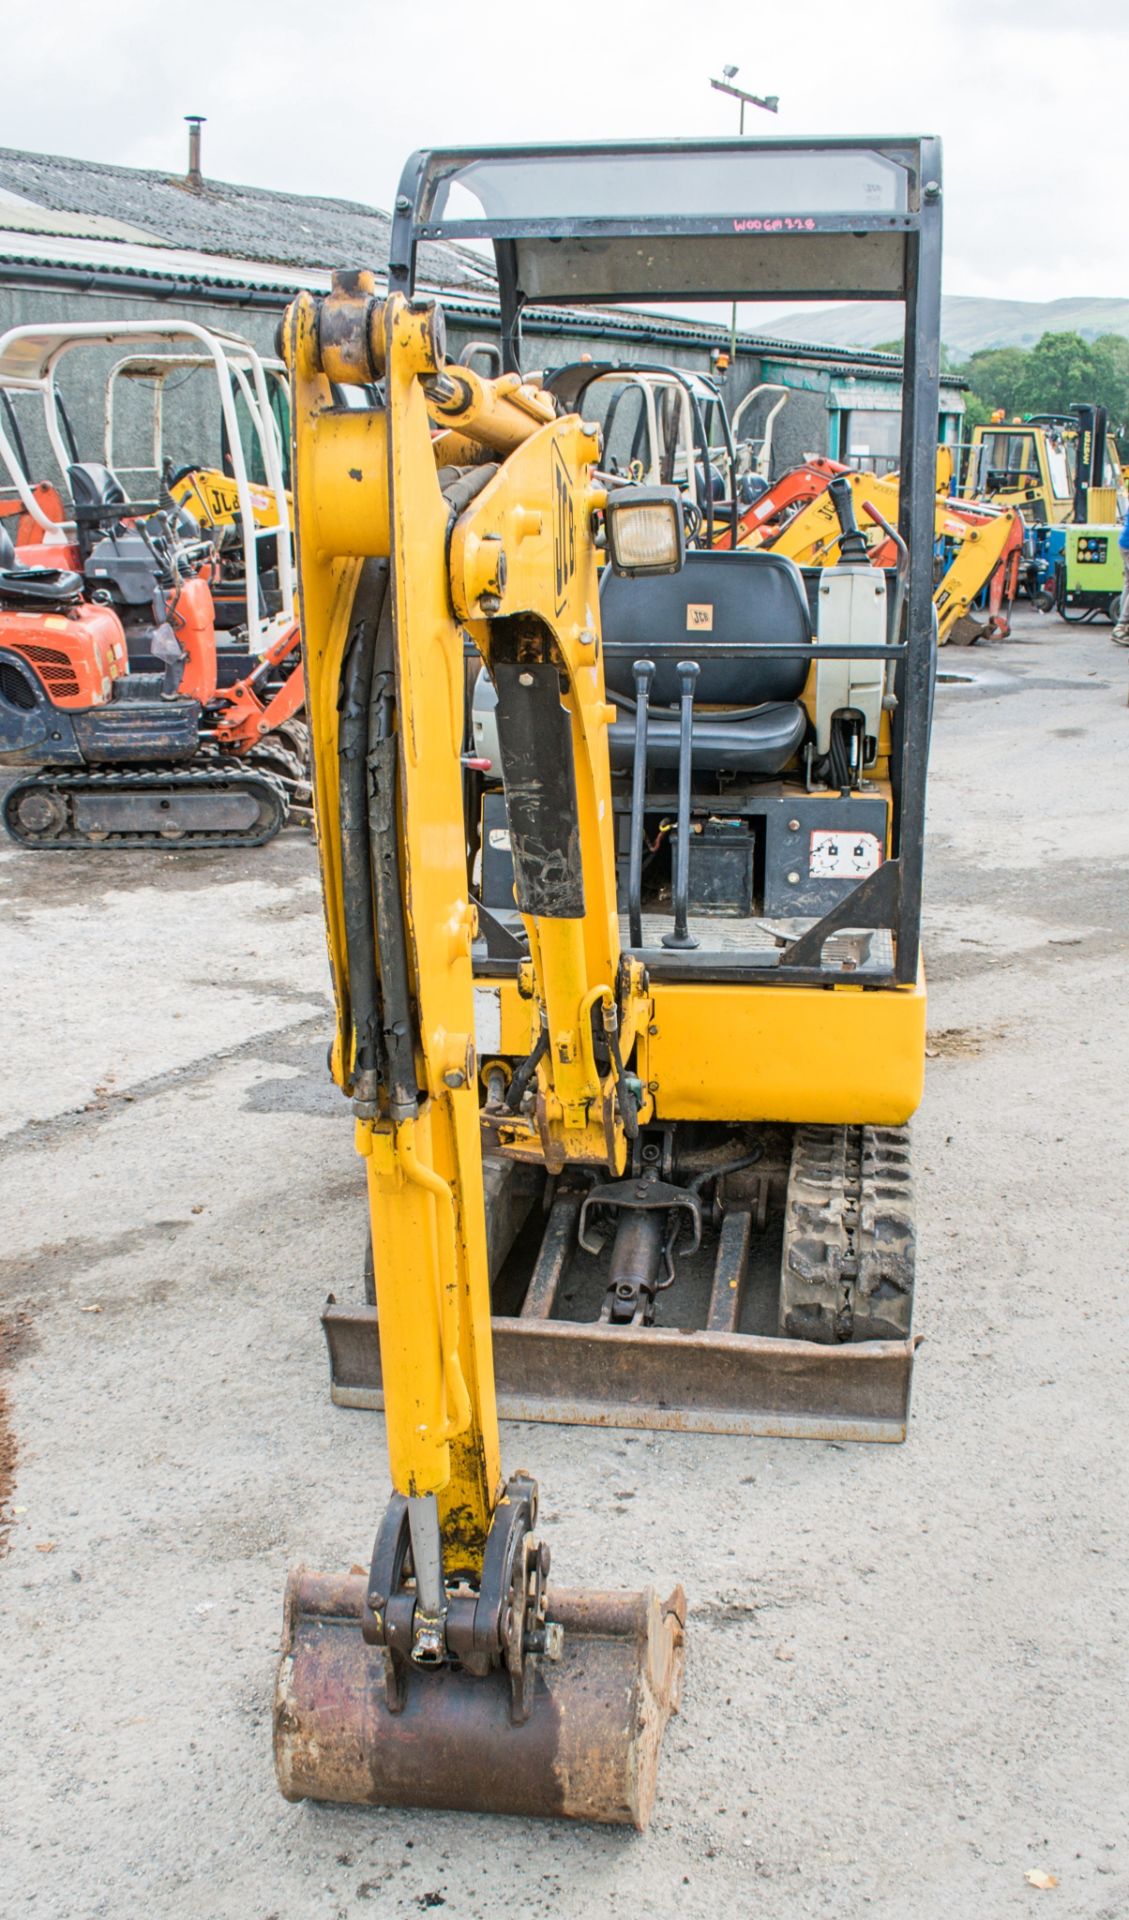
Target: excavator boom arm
(399, 560)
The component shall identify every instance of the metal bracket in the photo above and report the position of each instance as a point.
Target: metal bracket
(504, 1624)
(390, 1556)
(642, 1195)
(873, 903)
(510, 1615)
(502, 943)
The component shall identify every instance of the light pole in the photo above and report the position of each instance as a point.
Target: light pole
(771, 104)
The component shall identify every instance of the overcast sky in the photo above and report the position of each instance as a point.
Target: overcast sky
(1028, 96)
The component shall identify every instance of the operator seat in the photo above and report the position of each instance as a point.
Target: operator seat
(721, 610)
(33, 588)
(94, 486)
(99, 500)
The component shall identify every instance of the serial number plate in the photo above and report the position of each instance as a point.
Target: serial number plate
(838, 854)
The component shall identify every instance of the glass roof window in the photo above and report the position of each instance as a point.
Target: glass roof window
(745, 188)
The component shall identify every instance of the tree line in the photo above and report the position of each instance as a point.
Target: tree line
(1047, 378)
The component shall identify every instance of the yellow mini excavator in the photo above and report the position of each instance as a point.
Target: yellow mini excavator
(978, 544)
(621, 993)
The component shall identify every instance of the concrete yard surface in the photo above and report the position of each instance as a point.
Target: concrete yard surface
(905, 1677)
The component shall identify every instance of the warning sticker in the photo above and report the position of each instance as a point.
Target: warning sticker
(488, 1020)
(499, 838)
(699, 619)
(838, 854)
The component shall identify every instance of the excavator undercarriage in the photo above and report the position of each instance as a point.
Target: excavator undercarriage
(662, 1299)
(114, 808)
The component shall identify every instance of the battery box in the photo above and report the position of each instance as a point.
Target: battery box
(721, 868)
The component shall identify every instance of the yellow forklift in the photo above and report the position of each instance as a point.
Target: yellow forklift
(1038, 464)
(632, 1022)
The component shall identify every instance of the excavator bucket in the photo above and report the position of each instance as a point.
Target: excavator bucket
(588, 1750)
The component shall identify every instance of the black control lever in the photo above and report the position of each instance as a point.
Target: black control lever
(852, 548)
(644, 675)
(681, 937)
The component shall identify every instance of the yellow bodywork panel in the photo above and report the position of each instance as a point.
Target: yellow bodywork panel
(830, 1056)
(213, 499)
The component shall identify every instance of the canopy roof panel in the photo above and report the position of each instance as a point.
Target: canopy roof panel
(710, 220)
(28, 354)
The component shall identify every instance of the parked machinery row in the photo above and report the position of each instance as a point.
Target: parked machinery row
(150, 679)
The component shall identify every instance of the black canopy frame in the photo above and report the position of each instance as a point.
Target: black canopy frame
(823, 219)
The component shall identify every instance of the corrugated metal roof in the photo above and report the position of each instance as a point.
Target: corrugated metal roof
(20, 215)
(159, 262)
(236, 222)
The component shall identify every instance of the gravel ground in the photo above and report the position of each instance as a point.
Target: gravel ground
(906, 1666)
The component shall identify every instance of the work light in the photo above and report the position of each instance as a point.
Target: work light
(645, 530)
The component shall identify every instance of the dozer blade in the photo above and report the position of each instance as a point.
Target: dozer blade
(691, 1380)
(589, 1749)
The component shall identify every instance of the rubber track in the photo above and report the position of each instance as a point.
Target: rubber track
(848, 1257)
(270, 792)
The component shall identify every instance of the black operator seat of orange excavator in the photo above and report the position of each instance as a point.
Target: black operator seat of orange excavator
(33, 586)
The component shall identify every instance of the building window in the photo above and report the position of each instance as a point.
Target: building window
(869, 438)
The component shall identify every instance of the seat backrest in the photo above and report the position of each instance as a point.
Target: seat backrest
(93, 485)
(720, 610)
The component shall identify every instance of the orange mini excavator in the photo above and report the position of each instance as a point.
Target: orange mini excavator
(110, 690)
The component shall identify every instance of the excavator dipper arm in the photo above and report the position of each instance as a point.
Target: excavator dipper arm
(452, 1675)
(246, 717)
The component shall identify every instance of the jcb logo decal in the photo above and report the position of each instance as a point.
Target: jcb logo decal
(564, 530)
(221, 500)
(699, 619)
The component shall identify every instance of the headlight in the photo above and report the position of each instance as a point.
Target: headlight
(645, 530)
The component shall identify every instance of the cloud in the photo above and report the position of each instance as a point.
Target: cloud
(337, 112)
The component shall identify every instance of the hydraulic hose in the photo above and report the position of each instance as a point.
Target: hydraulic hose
(522, 1076)
(356, 873)
(387, 885)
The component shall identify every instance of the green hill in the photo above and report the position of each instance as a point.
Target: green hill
(967, 324)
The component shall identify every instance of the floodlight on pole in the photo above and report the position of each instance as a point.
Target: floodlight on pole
(770, 103)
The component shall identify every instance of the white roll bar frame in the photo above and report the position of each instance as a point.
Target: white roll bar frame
(29, 357)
